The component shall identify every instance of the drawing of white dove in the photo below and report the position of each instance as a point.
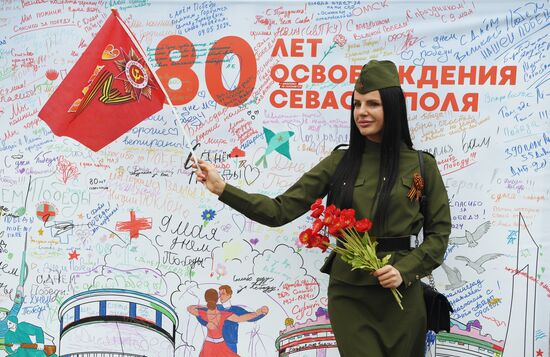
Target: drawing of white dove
(471, 238)
(476, 265)
(454, 276)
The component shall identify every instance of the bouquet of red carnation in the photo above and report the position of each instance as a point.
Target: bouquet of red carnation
(357, 248)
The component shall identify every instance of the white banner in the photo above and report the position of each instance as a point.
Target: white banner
(123, 240)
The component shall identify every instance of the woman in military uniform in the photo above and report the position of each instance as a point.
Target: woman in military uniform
(375, 176)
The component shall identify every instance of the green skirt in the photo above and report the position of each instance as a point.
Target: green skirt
(367, 321)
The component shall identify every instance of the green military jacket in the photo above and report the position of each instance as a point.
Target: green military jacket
(404, 217)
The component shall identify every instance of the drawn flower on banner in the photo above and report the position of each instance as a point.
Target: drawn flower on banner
(236, 152)
(356, 248)
(207, 216)
(221, 270)
(67, 169)
(321, 313)
(52, 74)
(340, 40)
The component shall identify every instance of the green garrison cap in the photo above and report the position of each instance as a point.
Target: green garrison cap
(377, 75)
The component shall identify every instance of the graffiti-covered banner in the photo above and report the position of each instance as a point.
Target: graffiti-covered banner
(108, 251)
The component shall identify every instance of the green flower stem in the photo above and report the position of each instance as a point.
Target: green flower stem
(360, 253)
(397, 294)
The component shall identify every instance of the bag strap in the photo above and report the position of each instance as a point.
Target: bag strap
(423, 202)
(423, 198)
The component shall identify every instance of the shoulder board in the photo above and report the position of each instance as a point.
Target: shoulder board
(428, 153)
(340, 146)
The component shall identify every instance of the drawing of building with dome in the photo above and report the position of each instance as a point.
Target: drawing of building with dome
(311, 338)
(116, 323)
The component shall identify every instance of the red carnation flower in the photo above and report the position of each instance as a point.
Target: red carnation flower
(347, 218)
(314, 241)
(363, 225)
(331, 215)
(353, 243)
(305, 236)
(318, 203)
(324, 242)
(331, 210)
(334, 228)
(317, 212)
(317, 225)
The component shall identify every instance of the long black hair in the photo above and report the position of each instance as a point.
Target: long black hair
(395, 131)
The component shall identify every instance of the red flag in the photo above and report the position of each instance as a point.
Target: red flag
(109, 90)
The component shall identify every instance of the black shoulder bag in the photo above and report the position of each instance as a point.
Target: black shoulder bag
(438, 308)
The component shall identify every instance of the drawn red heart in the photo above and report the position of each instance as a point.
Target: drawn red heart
(110, 52)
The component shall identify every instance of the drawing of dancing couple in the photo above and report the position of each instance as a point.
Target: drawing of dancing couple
(222, 322)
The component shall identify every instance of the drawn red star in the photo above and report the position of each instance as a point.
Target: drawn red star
(73, 255)
(539, 353)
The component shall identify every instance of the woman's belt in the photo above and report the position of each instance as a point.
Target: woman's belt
(389, 244)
